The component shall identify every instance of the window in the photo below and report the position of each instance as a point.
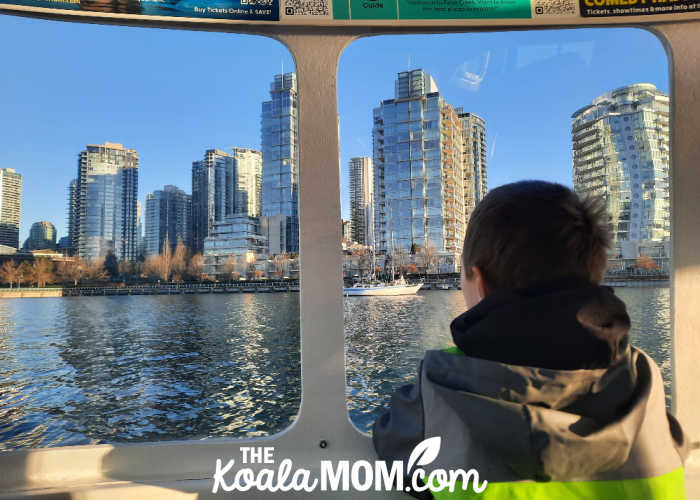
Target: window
(192, 356)
(387, 337)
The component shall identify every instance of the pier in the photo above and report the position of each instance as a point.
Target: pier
(153, 289)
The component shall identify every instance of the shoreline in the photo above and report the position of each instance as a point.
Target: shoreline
(257, 287)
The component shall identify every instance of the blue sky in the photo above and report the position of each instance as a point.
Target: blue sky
(172, 94)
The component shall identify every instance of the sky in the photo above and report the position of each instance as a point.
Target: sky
(173, 94)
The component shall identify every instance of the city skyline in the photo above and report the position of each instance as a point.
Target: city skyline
(509, 79)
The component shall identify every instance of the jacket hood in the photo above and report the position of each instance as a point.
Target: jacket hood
(567, 325)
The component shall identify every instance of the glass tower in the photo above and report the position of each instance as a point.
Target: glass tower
(621, 152)
(224, 184)
(280, 153)
(361, 193)
(10, 206)
(419, 171)
(168, 214)
(105, 195)
(474, 150)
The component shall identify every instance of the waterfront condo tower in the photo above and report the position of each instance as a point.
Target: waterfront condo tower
(280, 178)
(168, 214)
(224, 184)
(106, 200)
(102, 205)
(10, 206)
(420, 172)
(361, 194)
(621, 153)
(72, 215)
(474, 151)
(42, 236)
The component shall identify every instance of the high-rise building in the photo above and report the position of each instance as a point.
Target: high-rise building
(419, 172)
(224, 184)
(621, 153)
(474, 151)
(105, 197)
(140, 239)
(346, 229)
(248, 182)
(280, 178)
(72, 246)
(42, 236)
(168, 215)
(10, 206)
(361, 194)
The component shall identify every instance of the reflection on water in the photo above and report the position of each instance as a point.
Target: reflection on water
(385, 340)
(116, 369)
(147, 368)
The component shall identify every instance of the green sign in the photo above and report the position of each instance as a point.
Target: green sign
(431, 9)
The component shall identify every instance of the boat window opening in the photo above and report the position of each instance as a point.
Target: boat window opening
(149, 187)
(430, 123)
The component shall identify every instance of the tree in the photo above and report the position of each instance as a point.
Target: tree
(40, 272)
(23, 273)
(429, 256)
(257, 274)
(195, 266)
(111, 265)
(126, 268)
(230, 266)
(9, 272)
(279, 263)
(646, 262)
(72, 270)
(178, 265)
(166, 261)
(151, 268)
(96, 270)
(412, 269)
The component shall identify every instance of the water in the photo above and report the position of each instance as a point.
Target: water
(147, 368)
(386, 356)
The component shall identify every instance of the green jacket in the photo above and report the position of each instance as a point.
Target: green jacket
(543, 433)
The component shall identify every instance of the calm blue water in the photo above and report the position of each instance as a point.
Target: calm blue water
(145, 368)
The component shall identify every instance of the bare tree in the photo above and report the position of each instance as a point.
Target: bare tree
(178, 265)
(429, 257)
(72, 270)
(279, 263)
(96, 270)
(9, 272)
(166, 261)
(23, 273)
(41, 272)
(196, 266)
(230, 266)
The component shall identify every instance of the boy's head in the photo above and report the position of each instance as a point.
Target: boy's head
(531, 232)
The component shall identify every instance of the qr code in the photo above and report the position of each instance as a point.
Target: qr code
(306, 8)
(555, 7)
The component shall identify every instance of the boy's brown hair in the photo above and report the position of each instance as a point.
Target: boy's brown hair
(532, 232)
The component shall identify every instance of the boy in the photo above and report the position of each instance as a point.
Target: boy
(542, 394)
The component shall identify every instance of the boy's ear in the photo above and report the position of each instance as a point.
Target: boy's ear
(482, 286)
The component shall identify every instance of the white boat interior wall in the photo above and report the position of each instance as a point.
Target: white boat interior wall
(183, 469)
